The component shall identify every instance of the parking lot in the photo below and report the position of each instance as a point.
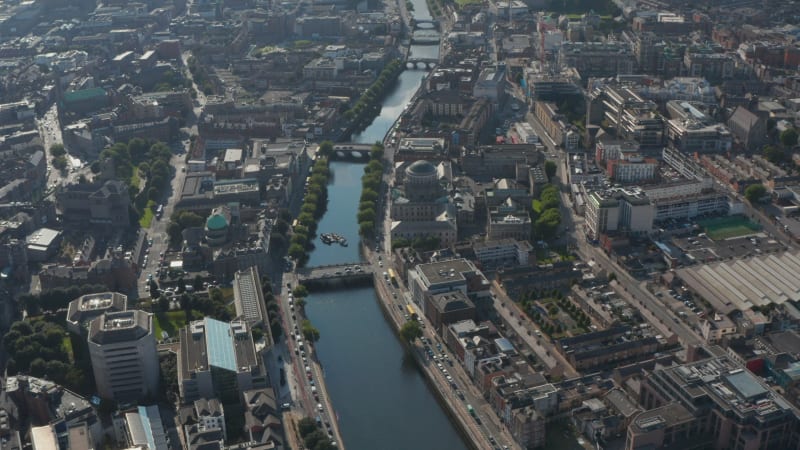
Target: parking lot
(701, 249)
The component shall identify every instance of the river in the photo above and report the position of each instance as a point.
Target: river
(380, 397)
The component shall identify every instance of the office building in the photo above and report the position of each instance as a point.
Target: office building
(618, 210)
(445, 276)
(713, 403)
(218, 360)
(122, 347)
(597, 59)
(503, 252)
(691, 130)
(630, 115)
(448, 307)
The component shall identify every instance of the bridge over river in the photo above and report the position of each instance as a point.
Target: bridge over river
(338, 275)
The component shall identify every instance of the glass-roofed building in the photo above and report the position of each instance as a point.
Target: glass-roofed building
(218, 360)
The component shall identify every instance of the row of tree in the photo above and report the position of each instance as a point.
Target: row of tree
(370, 186)
(369, 104)
(314, 203)
(422, 243)
(546, 213)
(310, 332)
(273, 309)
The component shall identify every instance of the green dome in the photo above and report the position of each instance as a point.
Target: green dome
(216, 222)
(421, 168)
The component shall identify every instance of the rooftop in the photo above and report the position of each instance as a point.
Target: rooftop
(211, 343)
(43, 237)
(446, 271)
(248, 296)
(744, 283)
(121, 326)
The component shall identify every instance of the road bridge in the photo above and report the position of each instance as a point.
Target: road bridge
(421, 63)
(333, 276)
(351, 150)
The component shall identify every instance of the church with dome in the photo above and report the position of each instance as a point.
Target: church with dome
(421, 204)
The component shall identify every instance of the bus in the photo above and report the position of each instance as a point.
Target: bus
(392, 276)
(411, 313)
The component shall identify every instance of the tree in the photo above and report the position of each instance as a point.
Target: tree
(410, 331)
(296, 251)
(60, 162)
(547, 223)
(312, 439)
(306, 426)
(789, 137)
(309, 331)
(326, 148)
(755, 192)
(300, 291)
(773, 154)
(57, 150)
(550, 168)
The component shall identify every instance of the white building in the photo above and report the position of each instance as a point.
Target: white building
(122, 348)
(618, 210)
(502, 252)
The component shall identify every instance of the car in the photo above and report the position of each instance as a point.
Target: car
(319, 406)
(380, 263)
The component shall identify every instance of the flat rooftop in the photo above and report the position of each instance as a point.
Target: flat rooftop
(446, 271)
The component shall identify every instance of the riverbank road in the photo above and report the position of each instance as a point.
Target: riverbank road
(453, 384)
(308, 391)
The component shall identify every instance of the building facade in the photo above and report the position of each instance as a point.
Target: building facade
(122, 347)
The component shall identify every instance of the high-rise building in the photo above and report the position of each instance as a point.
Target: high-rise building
(122, 347)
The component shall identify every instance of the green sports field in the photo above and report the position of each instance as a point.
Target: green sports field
(720, 228)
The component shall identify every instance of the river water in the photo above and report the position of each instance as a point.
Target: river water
(380, 398)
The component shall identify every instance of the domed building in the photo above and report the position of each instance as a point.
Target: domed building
(217, 227)
(421, 206)
(421, 182)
